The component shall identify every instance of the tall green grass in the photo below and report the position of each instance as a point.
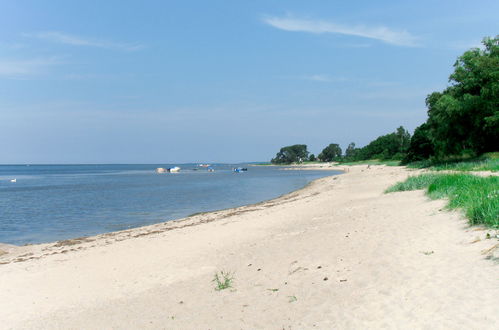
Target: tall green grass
(414, 183)
(477, 196)
(373, 162)
(486, 162)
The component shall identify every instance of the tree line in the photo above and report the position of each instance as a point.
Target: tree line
(386, 147)
(463, 120)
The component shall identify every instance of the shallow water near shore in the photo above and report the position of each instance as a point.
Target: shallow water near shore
(55, 202)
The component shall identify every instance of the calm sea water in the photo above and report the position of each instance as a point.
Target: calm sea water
(54, 202)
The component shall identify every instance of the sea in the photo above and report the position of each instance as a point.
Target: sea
(47, 203)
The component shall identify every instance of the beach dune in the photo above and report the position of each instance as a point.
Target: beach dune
(337, 254)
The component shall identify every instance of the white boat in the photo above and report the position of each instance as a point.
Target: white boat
(160, 170)
(165, 170)
(13, 180)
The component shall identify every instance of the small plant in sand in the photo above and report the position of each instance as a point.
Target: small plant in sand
(223, 280)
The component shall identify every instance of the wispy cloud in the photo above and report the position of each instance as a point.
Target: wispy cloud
(12, 45)
(22, 68)
(325, 78)
(68, 39)
(319, 77)
(381, 33)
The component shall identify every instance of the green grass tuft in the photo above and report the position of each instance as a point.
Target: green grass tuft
(414, 183)
(477, 196)
(223, 280)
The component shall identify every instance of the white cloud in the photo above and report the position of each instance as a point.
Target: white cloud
(21, 68)
(325, 78)
(12, 45)
(319, 77)
(381, 33)
(67, 39)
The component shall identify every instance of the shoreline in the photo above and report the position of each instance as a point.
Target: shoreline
(8, 247)
(338, 253)
(20, 253)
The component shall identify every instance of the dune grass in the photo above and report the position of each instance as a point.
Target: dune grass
(223, 280)
(477, 196)
(414, 182)
(373, 162)
(486, 162)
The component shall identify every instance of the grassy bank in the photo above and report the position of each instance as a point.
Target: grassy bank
(373, 162)
(486, 162)
(477, 196)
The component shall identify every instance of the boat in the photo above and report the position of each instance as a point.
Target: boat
(168, 170)
(160, 170)
(240, 169)
(13, 180)
(211, 169)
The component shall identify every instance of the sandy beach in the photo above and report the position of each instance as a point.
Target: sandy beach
(337, 254)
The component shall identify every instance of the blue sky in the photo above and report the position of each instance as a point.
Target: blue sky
(229, 81)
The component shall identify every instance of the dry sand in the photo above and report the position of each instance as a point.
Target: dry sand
(338, 254)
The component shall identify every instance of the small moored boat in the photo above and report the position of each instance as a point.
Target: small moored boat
(168, 170)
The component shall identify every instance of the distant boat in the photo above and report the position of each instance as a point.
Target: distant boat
(165, 170)
(204, 165)
(240, 169)
(211, 169)
(160, 170)
(13, 180)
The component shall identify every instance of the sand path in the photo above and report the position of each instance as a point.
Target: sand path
(338, 254)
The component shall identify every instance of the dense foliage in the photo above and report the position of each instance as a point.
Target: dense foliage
(464, 118)
(330, 153)
(386, 147)
(291, 154)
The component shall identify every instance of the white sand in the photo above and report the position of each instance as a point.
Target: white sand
(338, 254)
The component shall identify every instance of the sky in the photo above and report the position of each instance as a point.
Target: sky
(220, 81)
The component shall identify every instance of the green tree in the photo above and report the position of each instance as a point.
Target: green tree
(464, 118)
(389, 146)
(351, 151)
(291, 154)
(421, 146)
(312, 158)
(330, 153)
(404, 139)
